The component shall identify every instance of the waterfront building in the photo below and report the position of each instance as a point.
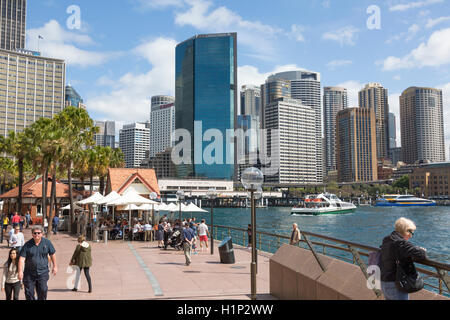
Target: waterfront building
(206, 95)
(140, 181)
(432, 180)
(422, 125)
(292, 151)
(106, 136)
(375, 97)
(32, 198)
(334, 100)
(356, 145)
(31, 87)
(248, 143)
(162, 124)
(306, 86)
(134, 141)
(72, 98)
(162, 164)
(392, 131)
(13, 15)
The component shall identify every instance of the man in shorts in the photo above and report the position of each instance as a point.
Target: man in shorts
(203, 234)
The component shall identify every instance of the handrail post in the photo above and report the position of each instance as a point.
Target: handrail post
(322, 266)
(362, 265)
(444, 277)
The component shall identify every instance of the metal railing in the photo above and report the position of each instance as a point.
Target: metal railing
(435, 276)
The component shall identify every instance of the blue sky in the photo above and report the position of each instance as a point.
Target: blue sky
(124, 51)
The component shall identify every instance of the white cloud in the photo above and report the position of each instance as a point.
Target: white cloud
(413, 5)
(407, 36)
(332, 65)
(353, 87)
(251, 75)
(297, 33)
(326, 4)
(434, 53)
(433, 22)
(59, 43)
(257, 36)
(128, 97)
(345, 35)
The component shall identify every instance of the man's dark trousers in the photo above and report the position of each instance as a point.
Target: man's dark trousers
(38, 283)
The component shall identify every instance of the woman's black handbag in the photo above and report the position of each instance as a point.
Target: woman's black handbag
(408, 282)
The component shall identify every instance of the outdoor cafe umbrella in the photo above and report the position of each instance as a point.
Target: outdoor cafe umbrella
(110, 197)
(75, 207)
(131, 198)
(92, 199)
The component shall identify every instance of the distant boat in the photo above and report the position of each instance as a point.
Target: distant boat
(397, 200)
(324, 203)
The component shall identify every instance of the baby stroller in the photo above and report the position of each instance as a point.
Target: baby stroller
(116, 234)
(174, 240)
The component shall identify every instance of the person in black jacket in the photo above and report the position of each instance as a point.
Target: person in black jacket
(396, 246)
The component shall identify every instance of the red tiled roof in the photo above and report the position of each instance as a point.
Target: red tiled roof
(33, 189)
(120, 179)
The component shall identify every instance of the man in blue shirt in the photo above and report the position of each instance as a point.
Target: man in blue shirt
(55, 224)
(33, 265)
(188, 239)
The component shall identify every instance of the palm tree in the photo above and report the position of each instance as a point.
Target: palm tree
(8, 172)
(78, 131)
(17, 145)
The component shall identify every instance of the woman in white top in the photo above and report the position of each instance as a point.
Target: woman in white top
(10, 279)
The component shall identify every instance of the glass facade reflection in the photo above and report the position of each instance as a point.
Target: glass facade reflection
(206, 84)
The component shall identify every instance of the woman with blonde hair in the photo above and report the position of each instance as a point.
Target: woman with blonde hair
(83, 259)
(396, 250)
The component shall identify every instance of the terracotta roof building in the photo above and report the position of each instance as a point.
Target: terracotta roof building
(32, 197)
(142, 181)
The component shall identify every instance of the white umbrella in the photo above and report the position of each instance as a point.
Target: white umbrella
(110, 197)
(75, 207)
(92, 199)
(130, 207)
(193, 208)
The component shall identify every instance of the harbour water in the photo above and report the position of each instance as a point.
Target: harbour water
(367, 225)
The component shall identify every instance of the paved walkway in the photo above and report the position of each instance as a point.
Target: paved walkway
(140, 270)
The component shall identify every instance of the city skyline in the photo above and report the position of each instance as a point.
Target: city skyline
(328, 37)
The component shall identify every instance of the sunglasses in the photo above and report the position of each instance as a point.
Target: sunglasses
(37, 232)
(411, 231)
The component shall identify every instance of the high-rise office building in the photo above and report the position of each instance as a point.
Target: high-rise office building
(392, 131)
(334, 100)
(72, 98)
(161, 101)
(422, 125)
(31, 87)
(134, 141)
(305, 86)
(162, 128)
(106, 136)
(12, 24)
(292, 151)
(251, 100)
(375, 97)
(206, 98)
(356, 145)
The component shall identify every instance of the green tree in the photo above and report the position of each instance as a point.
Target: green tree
(402, 183)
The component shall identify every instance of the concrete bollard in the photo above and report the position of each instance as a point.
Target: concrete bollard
(105, 236)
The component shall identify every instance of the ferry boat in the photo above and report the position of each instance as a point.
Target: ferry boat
(397, 200)
(324, 203)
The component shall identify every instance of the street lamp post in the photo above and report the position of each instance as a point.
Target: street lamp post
(153, 196)
(212, 195)
(252, 180)
(180, 196)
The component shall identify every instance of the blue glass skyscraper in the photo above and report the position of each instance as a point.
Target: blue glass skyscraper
(206, 94)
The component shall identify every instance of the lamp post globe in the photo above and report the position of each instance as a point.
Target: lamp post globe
(252, 180)
(180, 196)
(153, 196)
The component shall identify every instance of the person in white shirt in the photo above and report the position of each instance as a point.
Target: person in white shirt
(147, 230)
(203, 234)
(17, 240)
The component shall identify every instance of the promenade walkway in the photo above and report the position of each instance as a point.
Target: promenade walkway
(140, 270)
